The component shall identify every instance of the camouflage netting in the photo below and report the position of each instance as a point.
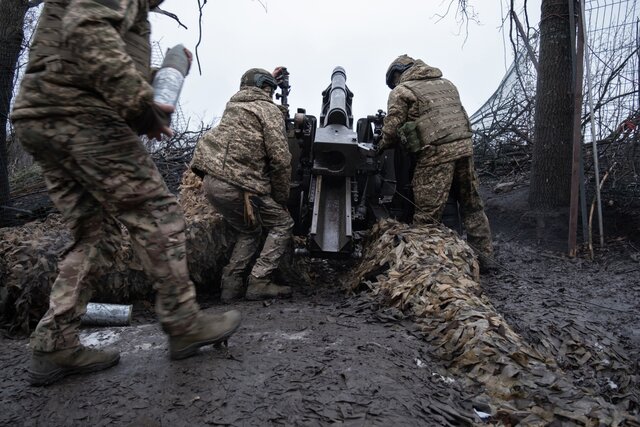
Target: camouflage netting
(431, 274)
(29, 256)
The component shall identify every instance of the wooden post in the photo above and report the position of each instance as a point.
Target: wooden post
(577, 43)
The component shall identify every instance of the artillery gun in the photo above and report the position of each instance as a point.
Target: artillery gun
(340, 185)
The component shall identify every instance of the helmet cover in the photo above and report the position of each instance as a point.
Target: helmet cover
(399, 65)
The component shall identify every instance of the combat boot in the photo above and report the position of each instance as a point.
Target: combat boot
(263, 288)
(232, 288)
(209, 329)
(49, 367)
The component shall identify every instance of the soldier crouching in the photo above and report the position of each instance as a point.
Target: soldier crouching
(246, 166)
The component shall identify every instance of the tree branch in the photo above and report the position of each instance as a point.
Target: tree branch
(200, 7)
(170, 15)
(263, 4)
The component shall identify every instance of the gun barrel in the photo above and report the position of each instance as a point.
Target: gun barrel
(337, 114)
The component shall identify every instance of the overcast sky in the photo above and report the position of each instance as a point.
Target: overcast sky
(310, 38)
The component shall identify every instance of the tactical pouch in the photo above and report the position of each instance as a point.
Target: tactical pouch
(250, 218)
(409, 136)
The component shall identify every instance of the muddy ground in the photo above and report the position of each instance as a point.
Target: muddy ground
(324, 357)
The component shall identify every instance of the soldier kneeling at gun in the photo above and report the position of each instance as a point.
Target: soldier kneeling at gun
(245, 164)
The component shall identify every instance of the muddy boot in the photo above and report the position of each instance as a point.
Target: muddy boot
(49, 367)
(263, 288)
(232, 288)
(210, 329)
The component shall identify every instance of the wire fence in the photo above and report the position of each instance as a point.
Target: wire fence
(503, 126)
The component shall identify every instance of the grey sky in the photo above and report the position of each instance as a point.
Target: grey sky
(310, 38)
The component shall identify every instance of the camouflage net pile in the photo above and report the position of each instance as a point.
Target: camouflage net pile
(431, 275)
(28, 265)
(29, 257)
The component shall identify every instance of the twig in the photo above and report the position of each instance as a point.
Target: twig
(200, 7)
(170, 15)
(264, 5)
(593, 202)
(9, 208)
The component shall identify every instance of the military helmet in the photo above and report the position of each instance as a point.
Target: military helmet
(258, 77)
(401, 64)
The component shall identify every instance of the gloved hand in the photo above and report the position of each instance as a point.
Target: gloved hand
(154, 122)
(279, 73)
(379, 144)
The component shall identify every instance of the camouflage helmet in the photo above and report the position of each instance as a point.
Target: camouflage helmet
(401, 64)
(258, 77)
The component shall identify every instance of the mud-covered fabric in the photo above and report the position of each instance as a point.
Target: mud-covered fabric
(88, 55)
(431, 187)
(433, 103)
(249, 148)
(97, 171)
(228, 200)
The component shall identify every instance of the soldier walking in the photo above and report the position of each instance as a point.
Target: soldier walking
(83, 100)
(425, 113)
(246, 166)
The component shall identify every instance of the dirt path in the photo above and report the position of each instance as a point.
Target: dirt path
(324, 358)
(315, 360)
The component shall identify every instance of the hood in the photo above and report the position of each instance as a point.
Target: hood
(250, 94)
(420, 71)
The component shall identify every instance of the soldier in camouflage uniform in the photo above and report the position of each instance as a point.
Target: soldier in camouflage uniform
(246, 166)
(425, 113)
(83, 100)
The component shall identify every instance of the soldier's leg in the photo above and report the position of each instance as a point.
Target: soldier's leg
(91, 228)
(56, 348)
(120, 174)
(476, 223)
(228, 200)
(431, 185)
(116, 169)
(279, 224)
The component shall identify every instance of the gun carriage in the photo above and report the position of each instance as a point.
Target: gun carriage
(340, 185)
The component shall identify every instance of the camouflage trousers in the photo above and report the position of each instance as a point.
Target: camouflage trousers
(431, 187)
(229, 201)
(97, 171)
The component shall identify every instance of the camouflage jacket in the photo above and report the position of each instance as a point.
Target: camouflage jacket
(424, 97)
(88, 54)
(249, 147)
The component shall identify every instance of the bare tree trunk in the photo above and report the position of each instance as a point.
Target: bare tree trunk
(12, 14)
(551, 164)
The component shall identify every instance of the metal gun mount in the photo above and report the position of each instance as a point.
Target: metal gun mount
(339, 185)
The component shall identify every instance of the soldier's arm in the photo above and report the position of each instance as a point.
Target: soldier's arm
(277, 147)
(400, 100)
(93, 29)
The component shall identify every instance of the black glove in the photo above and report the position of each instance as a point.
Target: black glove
(150, 120)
